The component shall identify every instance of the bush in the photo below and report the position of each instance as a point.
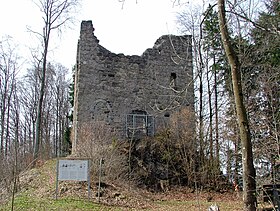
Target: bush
(99, 141)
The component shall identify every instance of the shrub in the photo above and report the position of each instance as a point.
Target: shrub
(99, 141)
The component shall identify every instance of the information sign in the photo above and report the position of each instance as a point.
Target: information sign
(73, 170)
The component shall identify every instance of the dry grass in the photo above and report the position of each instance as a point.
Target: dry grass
(38, 191)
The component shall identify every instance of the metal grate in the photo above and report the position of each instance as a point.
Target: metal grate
(139, 126)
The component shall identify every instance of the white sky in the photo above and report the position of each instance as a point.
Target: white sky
(130, 30)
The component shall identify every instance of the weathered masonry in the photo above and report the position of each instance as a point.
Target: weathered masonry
(134, 94)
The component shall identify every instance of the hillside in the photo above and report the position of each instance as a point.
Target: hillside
(37, 192)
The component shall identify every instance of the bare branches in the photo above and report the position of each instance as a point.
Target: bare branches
(255, 24)
(8, 71)
(56, 13)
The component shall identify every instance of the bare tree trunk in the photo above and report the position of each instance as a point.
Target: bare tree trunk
(201, 133)
(216, 117)
(8, 68)
(7, 133)
(210, 117)
(236, 161)
(4, 96)
(56, 13)
(249, 183)
(16, 146)
(41, 97)
(3, 110)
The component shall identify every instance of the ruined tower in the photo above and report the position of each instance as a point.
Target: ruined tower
(133, 94)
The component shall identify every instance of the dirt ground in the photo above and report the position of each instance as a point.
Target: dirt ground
(128, 198)
(41, 182)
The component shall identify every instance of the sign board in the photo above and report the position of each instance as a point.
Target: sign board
(73, 170)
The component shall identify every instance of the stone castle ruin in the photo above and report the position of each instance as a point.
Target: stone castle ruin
(133, 94)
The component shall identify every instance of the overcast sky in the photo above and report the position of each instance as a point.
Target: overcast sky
(129, 30)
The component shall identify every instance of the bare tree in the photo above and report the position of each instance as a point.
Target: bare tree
(56, 108)
(55, 14)
(9, 113)
(209, 69)
(29, 92)
(249, 183)
(190, 21)
(8, 71)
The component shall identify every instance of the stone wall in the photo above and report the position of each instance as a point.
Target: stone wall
(109, 86)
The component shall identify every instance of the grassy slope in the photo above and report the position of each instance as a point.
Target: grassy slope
(37, 192)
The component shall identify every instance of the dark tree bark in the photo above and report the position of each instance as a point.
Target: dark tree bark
(249, 183)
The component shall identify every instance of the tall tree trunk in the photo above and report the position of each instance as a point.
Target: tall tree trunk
(40, 103)
(7, 133)
(210, 118)
(249, 183)
(201, 123)
(236, 161)
(3, 95)
(216, 117)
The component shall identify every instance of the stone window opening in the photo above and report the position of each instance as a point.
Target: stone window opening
(172, 82)
(167, 114)
(101, 111)
(139, 124)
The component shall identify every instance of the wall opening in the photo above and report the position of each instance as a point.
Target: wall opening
(139, 124)
(172, 82)
(101, 111)
(167, 114)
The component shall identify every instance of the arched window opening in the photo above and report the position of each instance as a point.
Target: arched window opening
(101, 111)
